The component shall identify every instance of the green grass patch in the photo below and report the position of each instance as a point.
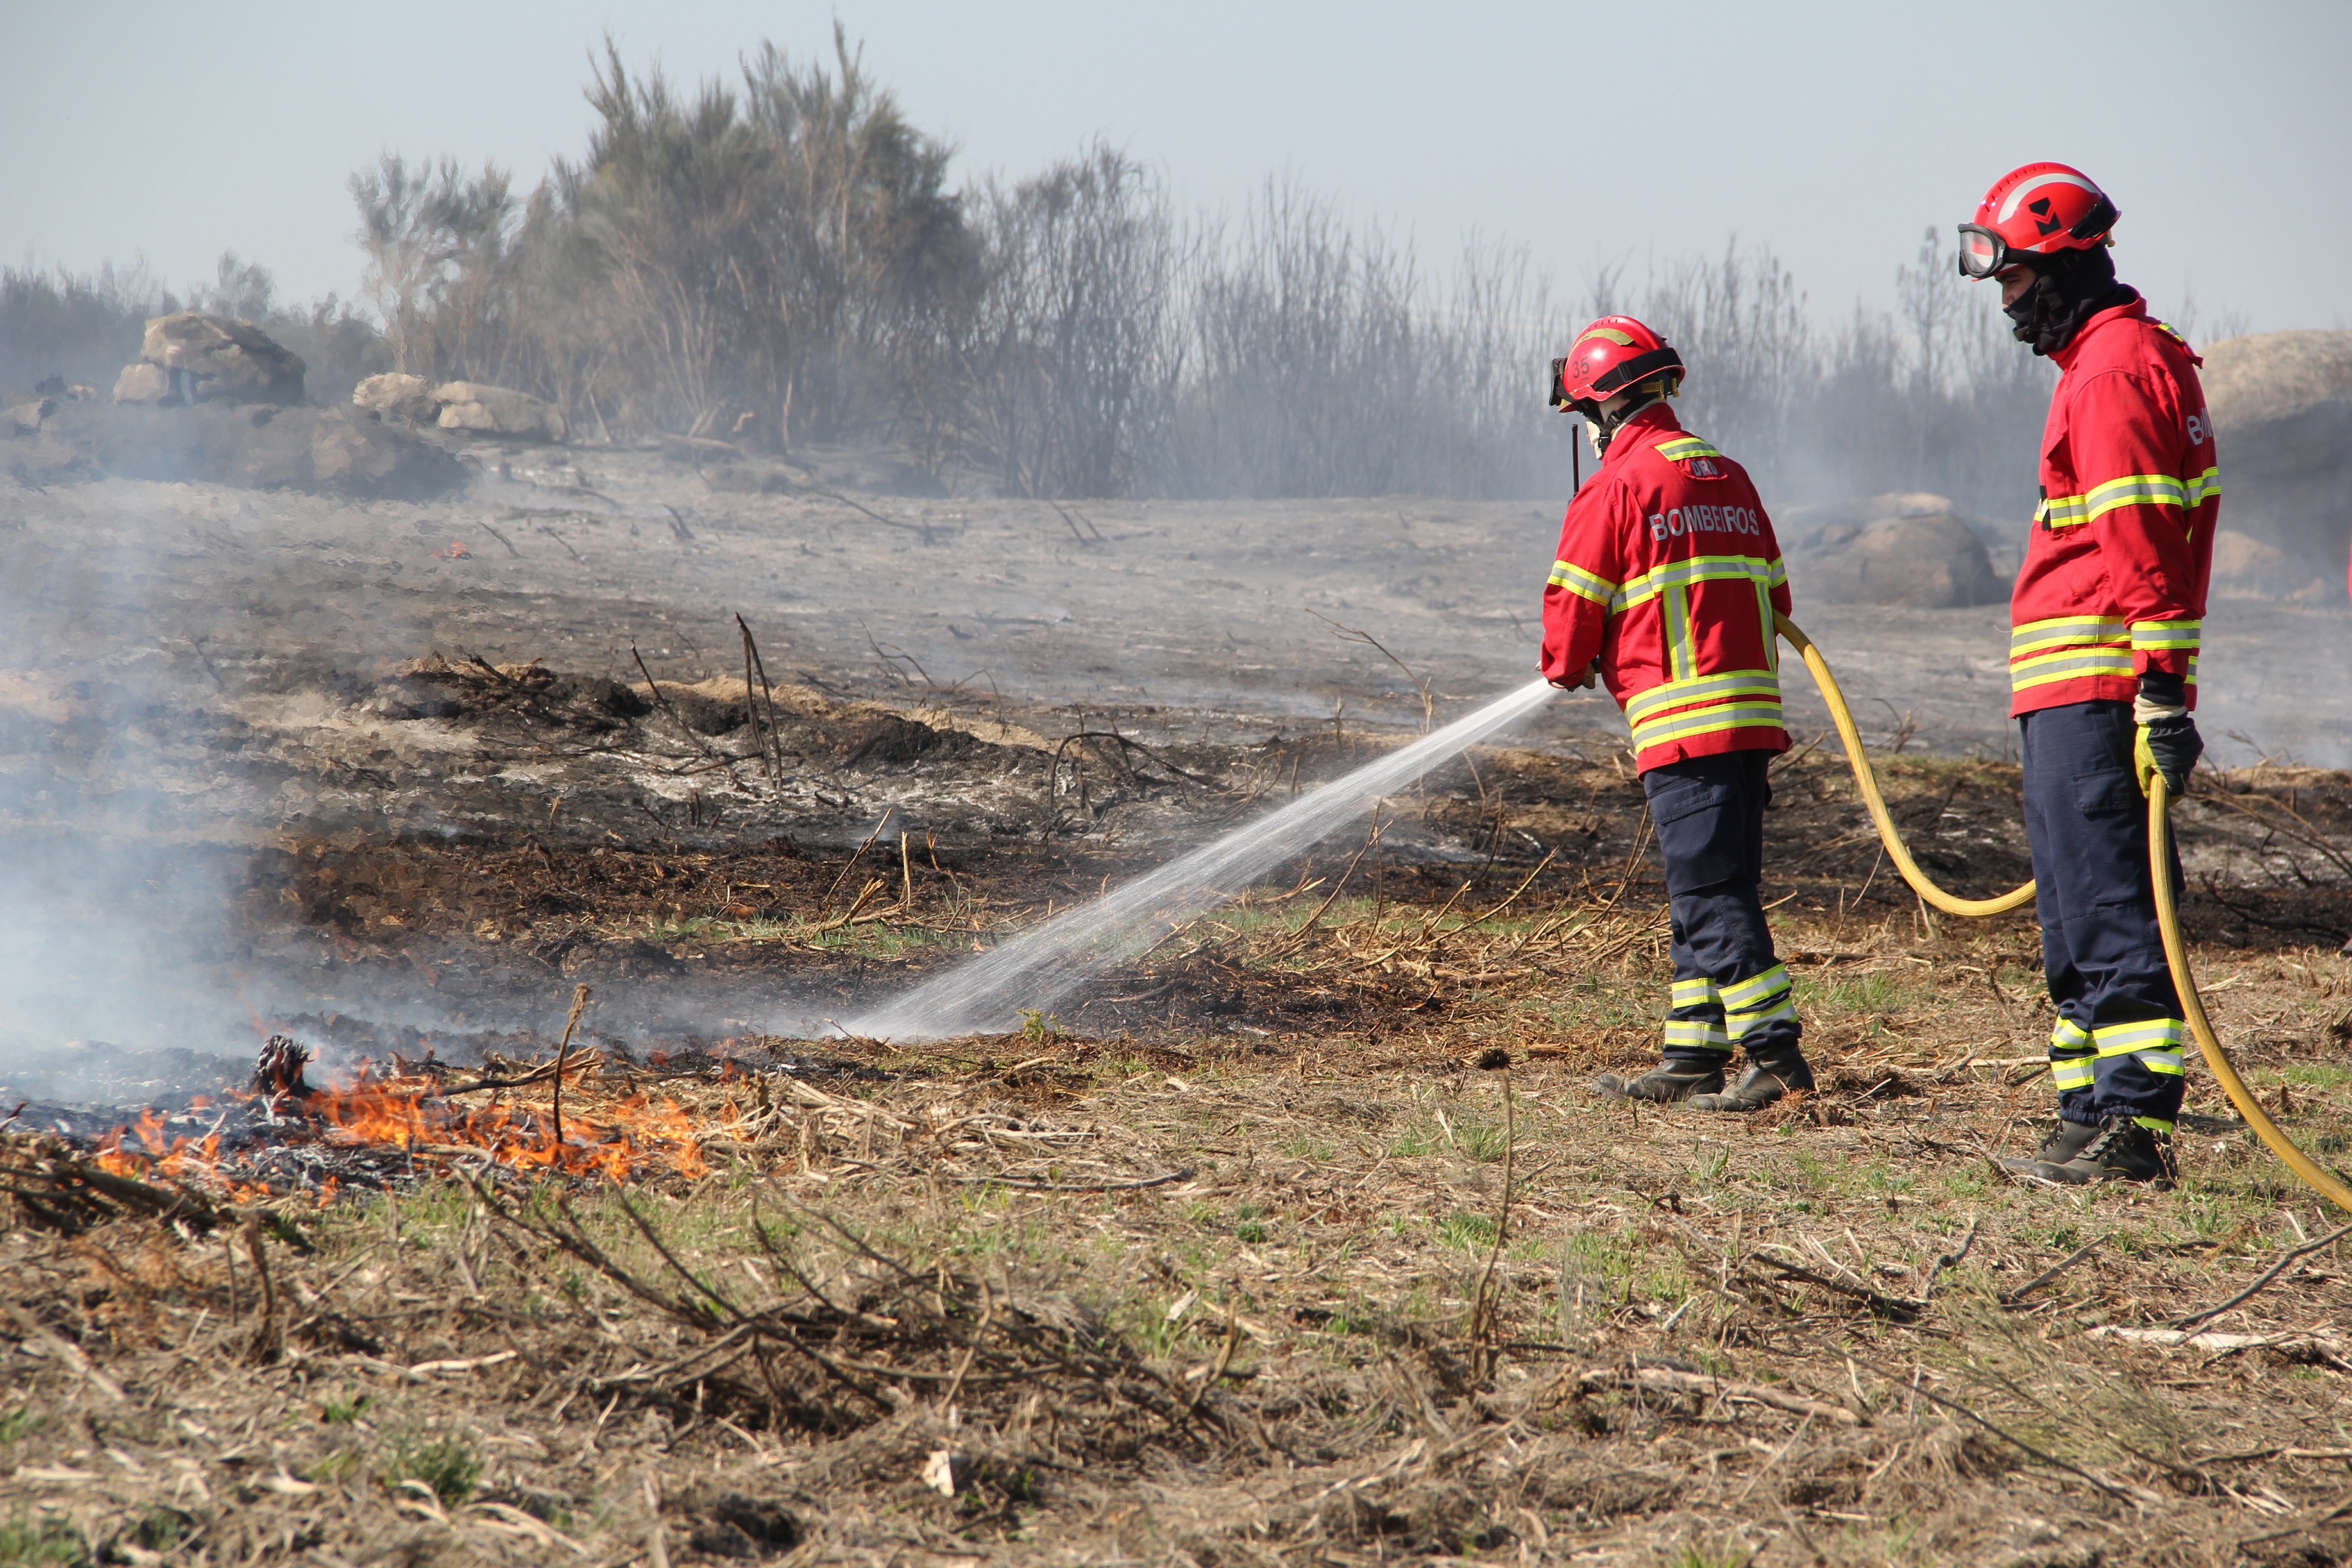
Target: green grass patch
(39, 1537)
(445, 1464)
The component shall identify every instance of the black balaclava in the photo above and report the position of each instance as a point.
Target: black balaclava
(1604, 426)
(2069, 288)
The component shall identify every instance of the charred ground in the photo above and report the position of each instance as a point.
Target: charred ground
(1238, 1256)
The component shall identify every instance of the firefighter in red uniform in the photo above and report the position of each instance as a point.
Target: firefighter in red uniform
(2102, 657)
(1666, 584)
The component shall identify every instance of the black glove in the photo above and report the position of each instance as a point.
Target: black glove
(2169, 746)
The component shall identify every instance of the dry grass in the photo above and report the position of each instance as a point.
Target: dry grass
(1187, 1298)
(1244, 1259)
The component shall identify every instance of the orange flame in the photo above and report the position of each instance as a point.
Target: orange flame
(609, 1139)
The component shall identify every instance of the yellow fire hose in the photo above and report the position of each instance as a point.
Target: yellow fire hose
(2167, 916)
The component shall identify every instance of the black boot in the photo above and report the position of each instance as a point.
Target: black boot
(1768, 1077)
(2066, 1140)
(1664, 1085)
(2123, 1151)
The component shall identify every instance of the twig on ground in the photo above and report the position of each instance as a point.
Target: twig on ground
(2273, 1272)
(1483, 1306)
(1948, 1261)
(663, 703)
(555, 1111)
(2010, 1298)
(2336, 1351)
(1668, 1380)
(2016, 1442)
(1428, 699)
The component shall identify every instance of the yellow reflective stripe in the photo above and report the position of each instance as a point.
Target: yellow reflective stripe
(1693, 993)
(1682, 448)
(2064, 631)
(2081, 665)
(2131, 490)
(1576, 581)
(2153, 634)
(2062, 511)
(1702, 688)
(2154, 1042)
(1742, 1025)
(1682, 573)
(2069, 648)
(2138, 490)
(2123, 1039)
(1701, 1034)
(1705, 721)
(1756, 989)
(2069, 1036)
(1682, 662)
(2153, 1123)
(2071, 1072)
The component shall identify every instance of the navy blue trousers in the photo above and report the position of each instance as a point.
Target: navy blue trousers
(2116, 1051)
(1728, 988)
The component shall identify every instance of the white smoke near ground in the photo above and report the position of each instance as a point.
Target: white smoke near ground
(117, 925)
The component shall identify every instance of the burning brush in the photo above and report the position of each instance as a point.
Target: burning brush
(277, 1071)
(284, 1133)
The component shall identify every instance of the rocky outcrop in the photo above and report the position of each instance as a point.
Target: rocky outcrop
(2282, 406)
(1904, 549)
(337, 451)
(190, 357)
(499, 410)
(398, 396)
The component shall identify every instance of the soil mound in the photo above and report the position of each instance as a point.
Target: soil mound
(1903, 549)
(2281, 404)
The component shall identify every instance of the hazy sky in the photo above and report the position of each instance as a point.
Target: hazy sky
(173, 132)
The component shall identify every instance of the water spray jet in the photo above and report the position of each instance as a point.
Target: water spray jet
(1029, 974)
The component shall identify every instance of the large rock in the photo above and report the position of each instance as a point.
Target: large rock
(1903, 549)
(499, 410)
(210, 359)
(2282, 405)
(400, 396)
(142, 382)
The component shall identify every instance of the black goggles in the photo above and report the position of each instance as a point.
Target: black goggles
(1984, 254)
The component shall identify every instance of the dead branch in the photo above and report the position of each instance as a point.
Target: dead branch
(1668, 1380)
(2273, 1272)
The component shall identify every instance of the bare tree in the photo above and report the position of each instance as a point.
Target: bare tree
(437, 272)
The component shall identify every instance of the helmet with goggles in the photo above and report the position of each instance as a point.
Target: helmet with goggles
(1614, 354)
(2037, 210)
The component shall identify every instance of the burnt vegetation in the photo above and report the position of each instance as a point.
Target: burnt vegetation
(1299, 1238)
(787, 263)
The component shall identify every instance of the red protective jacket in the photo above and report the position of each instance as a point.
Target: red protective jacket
(2115, 573)
(1669, 574)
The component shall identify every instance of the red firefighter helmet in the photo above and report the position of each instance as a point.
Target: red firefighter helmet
(2035, 211)
(1613, 354)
